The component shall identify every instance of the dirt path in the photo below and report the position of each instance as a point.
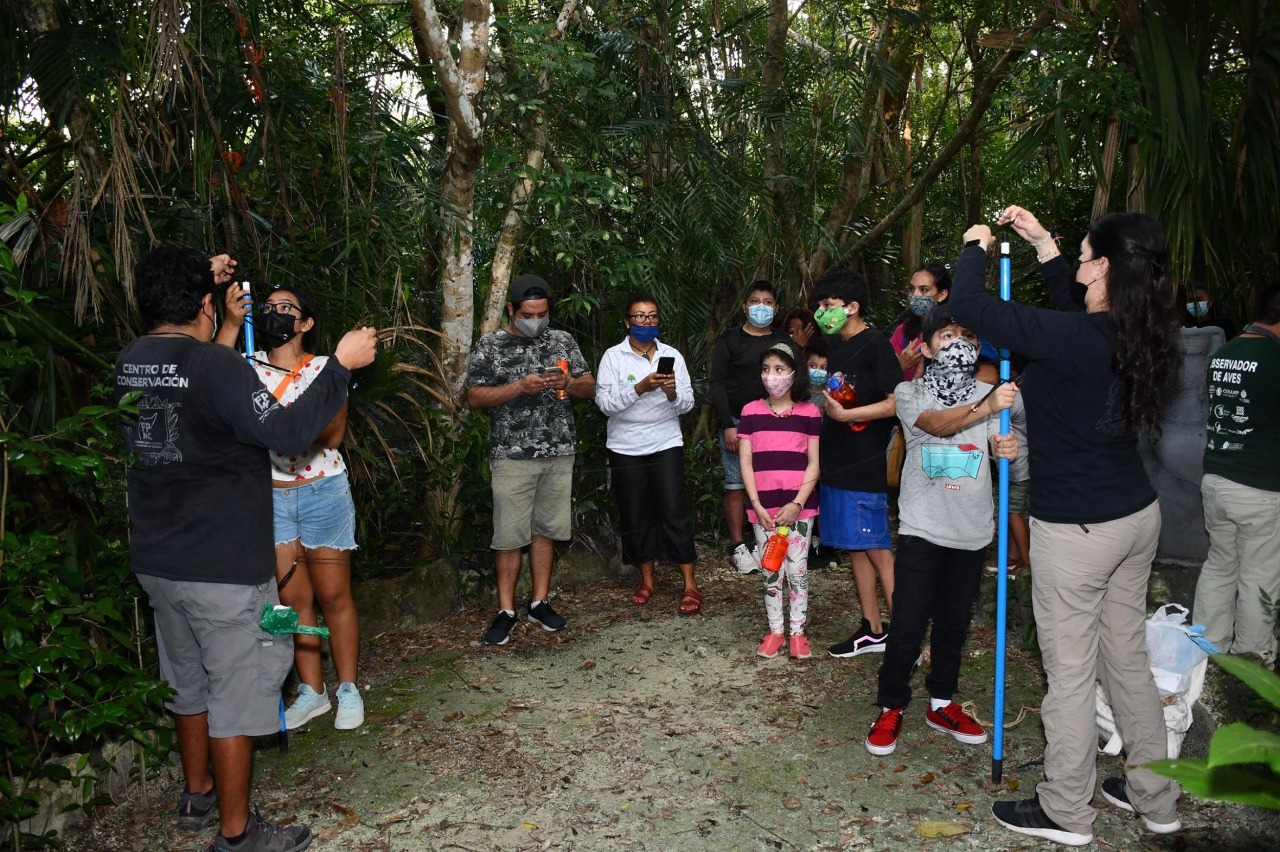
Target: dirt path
(639, 729)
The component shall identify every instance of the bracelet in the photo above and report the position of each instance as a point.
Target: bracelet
(1047, 238)
(797, 503)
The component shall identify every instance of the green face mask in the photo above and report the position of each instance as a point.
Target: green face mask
(830, 320)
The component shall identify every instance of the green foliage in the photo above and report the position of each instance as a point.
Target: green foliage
(77, 667)
(1244, 763)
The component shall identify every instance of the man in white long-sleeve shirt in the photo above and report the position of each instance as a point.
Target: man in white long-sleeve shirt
(643, 387)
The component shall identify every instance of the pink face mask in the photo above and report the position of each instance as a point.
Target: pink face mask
(778, 386)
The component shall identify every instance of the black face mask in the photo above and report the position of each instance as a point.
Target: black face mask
(1076, 290)
(276, 329)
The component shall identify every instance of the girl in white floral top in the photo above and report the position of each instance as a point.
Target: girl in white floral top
(314, 514)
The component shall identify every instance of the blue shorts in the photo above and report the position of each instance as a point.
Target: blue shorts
(320, 513)
(854, 520)
(730, 464)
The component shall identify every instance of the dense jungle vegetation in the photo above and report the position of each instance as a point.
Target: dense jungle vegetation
(401, 160)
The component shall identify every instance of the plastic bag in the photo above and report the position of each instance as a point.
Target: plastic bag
(1179, 659)
(279, 620)
(1177, 716)
(1173, 650)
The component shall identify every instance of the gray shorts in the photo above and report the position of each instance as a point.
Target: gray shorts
(531, 497)
(1018, 493)
(216, 657)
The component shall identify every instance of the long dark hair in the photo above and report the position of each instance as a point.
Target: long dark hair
(912, 325)
(1141, 298)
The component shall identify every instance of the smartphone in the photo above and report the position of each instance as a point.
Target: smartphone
(666, 365)
(552, 372)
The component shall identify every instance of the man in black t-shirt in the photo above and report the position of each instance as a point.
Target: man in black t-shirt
(200, 436)
(854, 494)
(735, 381)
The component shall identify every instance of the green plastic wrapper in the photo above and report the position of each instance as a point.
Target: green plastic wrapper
(279, 620)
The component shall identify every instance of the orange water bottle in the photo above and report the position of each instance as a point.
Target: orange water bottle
(842, 392)
(775, 550)
(564, 368)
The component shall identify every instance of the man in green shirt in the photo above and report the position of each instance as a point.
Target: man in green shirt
(1241, 488)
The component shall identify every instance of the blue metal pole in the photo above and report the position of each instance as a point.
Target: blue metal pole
(1002, 546)
(249, 346)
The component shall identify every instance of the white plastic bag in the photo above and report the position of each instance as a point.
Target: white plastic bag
(1179, 663)
(1177, 715)
(1173, 653)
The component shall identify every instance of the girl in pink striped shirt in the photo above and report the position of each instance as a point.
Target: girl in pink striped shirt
(778, 450)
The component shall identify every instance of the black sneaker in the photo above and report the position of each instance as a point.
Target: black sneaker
(500, 631)
(862, 642)
(1116, 791)
(1025, 816)
(545, 617)
(195, 810)
(263, 836)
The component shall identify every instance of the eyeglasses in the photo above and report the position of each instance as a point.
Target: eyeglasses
(643, 317)
(281, 308)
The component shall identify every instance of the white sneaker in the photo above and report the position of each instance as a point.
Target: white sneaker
(350, 708)
(308, 705)
(744, 560)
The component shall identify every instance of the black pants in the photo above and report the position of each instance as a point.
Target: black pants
(653, 512)
(930, 583)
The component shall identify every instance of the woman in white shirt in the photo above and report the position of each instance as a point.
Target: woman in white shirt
(315, 518)
(646, 450)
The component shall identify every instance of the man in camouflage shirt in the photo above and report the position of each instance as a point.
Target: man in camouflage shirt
(512, 374)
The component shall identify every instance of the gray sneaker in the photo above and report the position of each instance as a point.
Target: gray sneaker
(263, 836)
(196, 810)
(308, 705)
(350, 713)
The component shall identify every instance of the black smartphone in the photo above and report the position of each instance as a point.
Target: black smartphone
(666, 365)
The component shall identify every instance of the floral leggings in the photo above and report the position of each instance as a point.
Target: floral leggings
(796, 569)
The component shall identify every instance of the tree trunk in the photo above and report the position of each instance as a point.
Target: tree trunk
(521, 192)
(40, 18)
(981, 99)
(777, 180)
(1110, 151)
(1136, 197)
(462, 81)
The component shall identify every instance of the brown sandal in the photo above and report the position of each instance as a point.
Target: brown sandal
(642, 595)
(690, 602)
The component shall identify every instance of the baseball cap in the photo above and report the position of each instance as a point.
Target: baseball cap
(528, 287)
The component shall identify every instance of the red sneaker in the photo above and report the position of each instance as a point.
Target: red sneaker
(800, 647)
(959, 724)
(771, 645)
(883, 738)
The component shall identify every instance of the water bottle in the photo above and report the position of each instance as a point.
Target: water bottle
(842, 392)
(563, 393)
(775, 550)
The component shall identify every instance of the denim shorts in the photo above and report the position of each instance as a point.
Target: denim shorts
(216, 657)
(855, 520)
(319, 513)
(730, 464)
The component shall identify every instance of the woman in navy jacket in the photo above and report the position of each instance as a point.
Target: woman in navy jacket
(1103, 363)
